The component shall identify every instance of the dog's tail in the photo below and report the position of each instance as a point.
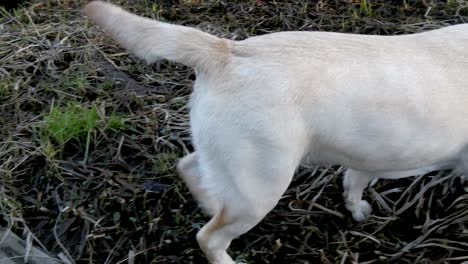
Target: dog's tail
(152, 40)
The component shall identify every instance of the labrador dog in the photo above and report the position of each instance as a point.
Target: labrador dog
(381, 106)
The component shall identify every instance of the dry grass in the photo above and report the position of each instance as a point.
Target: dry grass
(104, 190)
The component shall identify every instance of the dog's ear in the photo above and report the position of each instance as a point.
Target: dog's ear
(151, 40)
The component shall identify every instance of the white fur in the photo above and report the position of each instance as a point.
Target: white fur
(382, 106)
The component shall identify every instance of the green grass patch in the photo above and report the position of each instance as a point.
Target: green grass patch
(72, 122)
(76, 123)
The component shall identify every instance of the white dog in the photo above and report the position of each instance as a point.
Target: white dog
(382, 106)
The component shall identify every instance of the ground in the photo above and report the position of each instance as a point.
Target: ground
(90, 135)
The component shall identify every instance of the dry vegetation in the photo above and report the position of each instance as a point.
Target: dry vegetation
(89, 136)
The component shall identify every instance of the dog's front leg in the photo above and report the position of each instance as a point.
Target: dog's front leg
(354, 183)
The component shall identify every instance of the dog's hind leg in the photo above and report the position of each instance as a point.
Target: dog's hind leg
(248, 187)
(189, 169)
(354, 183)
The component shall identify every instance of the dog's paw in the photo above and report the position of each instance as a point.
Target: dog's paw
(362, 212)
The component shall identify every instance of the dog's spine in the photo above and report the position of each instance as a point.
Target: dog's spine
(152, 40)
